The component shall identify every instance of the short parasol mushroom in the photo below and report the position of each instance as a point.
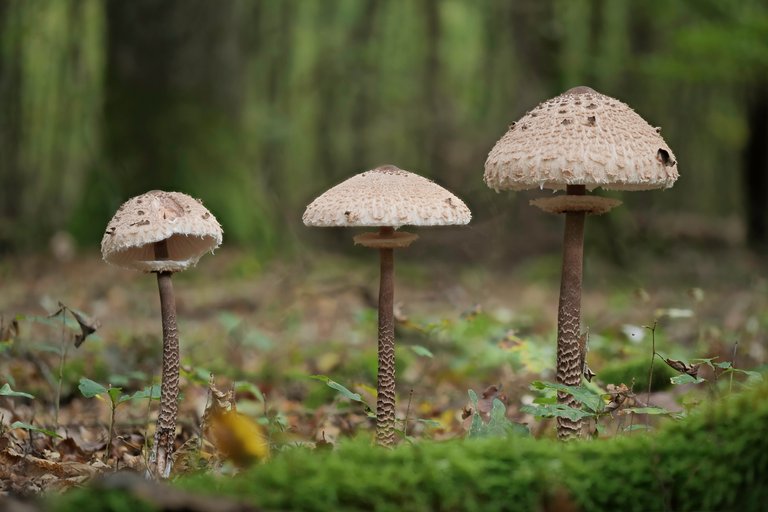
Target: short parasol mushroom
(162, 232)
(578, 141)
(386, 197)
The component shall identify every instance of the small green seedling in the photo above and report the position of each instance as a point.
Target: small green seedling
(7, 391)
(92, 389)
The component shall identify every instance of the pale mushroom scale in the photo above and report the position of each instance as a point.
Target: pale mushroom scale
(386, 196)
(581, 137)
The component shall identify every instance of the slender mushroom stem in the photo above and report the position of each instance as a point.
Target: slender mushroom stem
(569, 360)
(165, 433)
(385, 401)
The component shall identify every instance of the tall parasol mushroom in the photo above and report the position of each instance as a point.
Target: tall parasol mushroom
(386, 197)
(578, 141)
(162, 232)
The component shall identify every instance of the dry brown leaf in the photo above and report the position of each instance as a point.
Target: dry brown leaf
(680, 366)
(485, 402)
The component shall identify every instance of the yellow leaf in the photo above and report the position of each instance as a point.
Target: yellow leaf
(238, 437)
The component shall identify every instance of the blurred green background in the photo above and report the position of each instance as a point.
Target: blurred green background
(257, 106)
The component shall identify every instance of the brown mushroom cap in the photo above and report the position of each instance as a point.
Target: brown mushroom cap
(188, 228)
(581, 137)
(386, 196)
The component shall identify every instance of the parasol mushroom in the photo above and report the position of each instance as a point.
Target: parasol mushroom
(162, 232)
(386, 197)
(578, 141)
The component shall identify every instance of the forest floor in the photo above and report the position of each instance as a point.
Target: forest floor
(265, 331)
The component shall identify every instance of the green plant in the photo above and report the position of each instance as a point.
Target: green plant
(7, 391)
(497, 425)
(344, 392)
(115, 396)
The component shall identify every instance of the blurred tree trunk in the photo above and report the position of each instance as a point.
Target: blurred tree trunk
(167, 60)
(756, 172)
(278, 58)
(10, 92)
(50, 96)
(360, 39)
(436, 126)
(175, 94)
(536, 46)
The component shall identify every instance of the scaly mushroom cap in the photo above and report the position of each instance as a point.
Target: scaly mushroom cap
(189, 229)
(581, 137)
(387, 196)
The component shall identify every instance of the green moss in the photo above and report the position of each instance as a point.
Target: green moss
(716, 459)
(105, 500)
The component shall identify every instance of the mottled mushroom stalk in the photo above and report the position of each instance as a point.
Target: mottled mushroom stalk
(386, 241)
(570, 366)
(385, 388)
(569, 358)
(169, 383)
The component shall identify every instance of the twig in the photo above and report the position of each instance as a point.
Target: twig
(650, 371)
(62, 359)
(407, 412)
(631, 416)
(113, 408)
(146, 453)
(733, 366)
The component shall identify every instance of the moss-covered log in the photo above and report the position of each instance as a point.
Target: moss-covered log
(715, 460)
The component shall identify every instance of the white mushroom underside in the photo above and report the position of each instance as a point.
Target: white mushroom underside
(183, 222)
(581, 139)
(386, 196)
(183, 252)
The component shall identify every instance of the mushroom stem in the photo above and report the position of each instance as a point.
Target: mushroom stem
(569, 360)
(385, 401)
(165, 432)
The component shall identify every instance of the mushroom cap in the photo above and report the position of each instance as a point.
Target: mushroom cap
(387, 196)
(581, 137)
(189, 229)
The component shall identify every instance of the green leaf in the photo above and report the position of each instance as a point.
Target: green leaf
(648, 410)
(7, 391)
(472, 398)
(152, 392)
(749, 373)
(230, 321)
(422, 351)
(592, 401)
(338, 387)
(632, 428)
(90, 388)
(704, 360)
(556, 411)
(685, 379)
(476, 428)
(27, 426)
(498, 425)
(115, 394)
(249, 387)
